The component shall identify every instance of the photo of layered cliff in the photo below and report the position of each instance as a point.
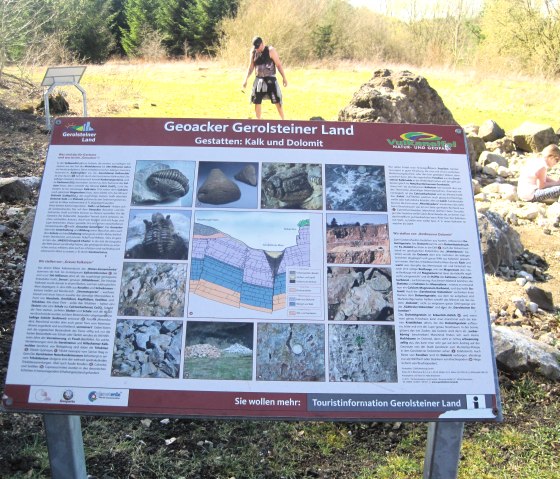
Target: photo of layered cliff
(357, 239)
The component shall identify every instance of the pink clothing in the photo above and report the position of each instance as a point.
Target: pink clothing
(527, 183)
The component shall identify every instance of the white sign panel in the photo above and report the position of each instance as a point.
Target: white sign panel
(244, 268)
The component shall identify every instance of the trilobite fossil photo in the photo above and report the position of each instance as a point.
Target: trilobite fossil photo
(169, 184)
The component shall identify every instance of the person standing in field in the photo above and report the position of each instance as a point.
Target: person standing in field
(264, 60)
(534, 184)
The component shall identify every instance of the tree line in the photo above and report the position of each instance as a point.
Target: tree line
(95, 30)
(518, 35)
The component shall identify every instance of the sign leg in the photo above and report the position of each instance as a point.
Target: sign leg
(443, 450)
(66, 446)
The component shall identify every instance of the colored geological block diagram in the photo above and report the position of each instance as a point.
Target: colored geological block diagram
(226, 270)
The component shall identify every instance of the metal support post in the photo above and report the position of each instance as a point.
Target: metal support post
(66, 446)
(443, 450)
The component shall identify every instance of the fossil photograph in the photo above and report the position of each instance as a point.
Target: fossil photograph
(163, 182)
(355, 188)
(359, 294)
(147, 349)
(292, 186)
(362, 353)
(227, 184)
(158, 234)
(215, 350)
(290, 352)
(357, 239)
(153, 290)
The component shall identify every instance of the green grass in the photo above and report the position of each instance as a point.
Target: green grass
(210, 90)
(226, 367)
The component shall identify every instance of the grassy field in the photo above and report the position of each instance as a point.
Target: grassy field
(208, 90)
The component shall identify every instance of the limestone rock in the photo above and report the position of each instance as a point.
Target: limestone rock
(487, 158)
(475, 147)
(218, 189)
(503, 145)
(500, 242)
(397, 97)
(541, 297)
(532, 137)
(26, 226)
(516, 352)
(490, 131)
(14, 189)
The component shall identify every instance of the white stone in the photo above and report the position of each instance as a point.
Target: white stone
(490, 170)
(14, 211)
(553, 211)
(528, 212)
(504, 172)
(533, 307)
(524, 274)
(492, 188)
(475, 186)
(519, 304)
(521, 281)
(487, 158)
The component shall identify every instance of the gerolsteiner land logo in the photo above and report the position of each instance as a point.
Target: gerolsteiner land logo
(421, 140)
(84, 131)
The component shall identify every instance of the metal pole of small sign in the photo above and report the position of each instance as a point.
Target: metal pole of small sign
(65, 446)
(443, 450)
(59, 76)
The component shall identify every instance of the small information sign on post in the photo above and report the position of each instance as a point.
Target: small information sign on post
(61, 76)
(257, 269)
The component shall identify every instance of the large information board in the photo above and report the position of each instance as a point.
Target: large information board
(238, 268)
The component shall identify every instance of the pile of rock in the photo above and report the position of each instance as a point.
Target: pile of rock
(147, 349)
(524, 339)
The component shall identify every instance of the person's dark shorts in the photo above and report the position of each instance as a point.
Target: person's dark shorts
(266, 88)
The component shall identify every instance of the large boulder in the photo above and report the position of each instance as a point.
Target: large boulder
(397, 97)
(532, 137)
(500, 243)
(14, 189)
(475, 147)
(490, 131)
(518, 353)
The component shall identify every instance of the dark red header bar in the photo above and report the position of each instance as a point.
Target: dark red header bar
(315, 135)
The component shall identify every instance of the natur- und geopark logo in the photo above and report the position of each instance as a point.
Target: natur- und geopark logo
(421, 140)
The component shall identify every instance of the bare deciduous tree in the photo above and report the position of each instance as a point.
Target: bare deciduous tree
(20, 25)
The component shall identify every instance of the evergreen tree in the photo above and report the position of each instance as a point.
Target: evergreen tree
(211, 13)
(88, 30)
(141, 18)
(117, 23)
(172, 25)
(201, 20)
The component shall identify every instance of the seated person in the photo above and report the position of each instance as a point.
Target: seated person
(533, 183)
